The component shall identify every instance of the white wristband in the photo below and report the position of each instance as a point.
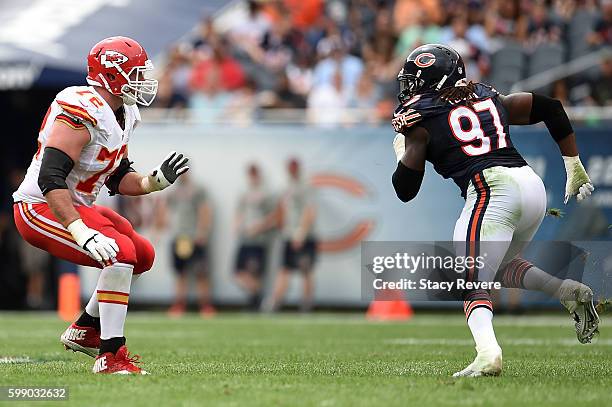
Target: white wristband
(78, 229)
(571, 161)
(399, 146)
(146, 185)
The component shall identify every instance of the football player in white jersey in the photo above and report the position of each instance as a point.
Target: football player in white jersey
(82, 145)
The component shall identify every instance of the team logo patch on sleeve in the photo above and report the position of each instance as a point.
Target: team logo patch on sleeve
(404, 120)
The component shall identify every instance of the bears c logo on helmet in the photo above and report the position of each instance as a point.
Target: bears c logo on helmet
(424, 60)
(110, 58)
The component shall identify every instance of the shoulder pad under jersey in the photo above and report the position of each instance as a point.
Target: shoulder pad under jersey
(418, 108)
(484, 91)
(82, 103)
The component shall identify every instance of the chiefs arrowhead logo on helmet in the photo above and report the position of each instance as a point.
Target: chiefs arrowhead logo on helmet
(110, 58)
(424, 60)
(120, 65)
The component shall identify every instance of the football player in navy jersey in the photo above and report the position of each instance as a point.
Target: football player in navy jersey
(462, 128)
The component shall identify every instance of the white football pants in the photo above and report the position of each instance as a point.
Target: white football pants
(503, 210)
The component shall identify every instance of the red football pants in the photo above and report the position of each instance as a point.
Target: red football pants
(39, 227)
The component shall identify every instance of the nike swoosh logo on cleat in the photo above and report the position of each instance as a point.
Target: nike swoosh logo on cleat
(100, 364)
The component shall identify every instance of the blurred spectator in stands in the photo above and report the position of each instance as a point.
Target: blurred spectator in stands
(360, 22)
(253, 222)
(541, 28)
(476, 33)
(423, 31)
(300, 74)
(265, 59)
(250, 32)
(206, 37)
(242, 105)
(189, 213)
(173, 89)
(407, 13)
(277, 46)
(284, 97)
(307, 39)
(327, 102)
(217, 73)
(562, 11)
(504, 20)
(365, 99)
(297, 213)
(380, 54)
(457, 36)
(602, 30)
(601, 88)
(303, 14)
(212, 80)
(336, 63)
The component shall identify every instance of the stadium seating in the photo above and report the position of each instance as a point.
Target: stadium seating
(507, 66)
(577, 31)
(544, 57)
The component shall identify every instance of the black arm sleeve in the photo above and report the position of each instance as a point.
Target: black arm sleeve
(406, 182)
(551, 112)
(112, 182)
(54, 169)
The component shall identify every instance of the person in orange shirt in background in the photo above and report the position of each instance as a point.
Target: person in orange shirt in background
(408, 12)
(302, 13)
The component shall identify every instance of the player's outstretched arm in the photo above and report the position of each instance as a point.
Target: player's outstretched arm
(531, 108)
(61, 151)
(126, 181)
(410, 151)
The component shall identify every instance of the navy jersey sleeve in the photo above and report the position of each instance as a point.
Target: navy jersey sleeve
(417, 109)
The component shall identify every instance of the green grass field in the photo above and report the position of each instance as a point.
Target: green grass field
(317, 360)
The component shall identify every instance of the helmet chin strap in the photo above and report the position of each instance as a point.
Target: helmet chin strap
(441, 83)
(128, 98)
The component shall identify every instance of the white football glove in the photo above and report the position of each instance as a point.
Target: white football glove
(578, 182)
(166, 173)
(100, 247)
(399, 145)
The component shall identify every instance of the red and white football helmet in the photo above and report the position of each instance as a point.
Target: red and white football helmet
(119, 64)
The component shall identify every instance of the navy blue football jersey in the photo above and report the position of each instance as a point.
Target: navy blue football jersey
(463, 140)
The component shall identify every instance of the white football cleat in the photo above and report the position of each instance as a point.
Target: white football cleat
(488, 362)
(577, 298)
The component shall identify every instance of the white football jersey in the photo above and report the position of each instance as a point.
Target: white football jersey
(79, 106)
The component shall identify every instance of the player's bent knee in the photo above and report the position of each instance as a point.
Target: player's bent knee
(145, 255)
(127, 250)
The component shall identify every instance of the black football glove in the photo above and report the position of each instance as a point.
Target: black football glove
(166, 173)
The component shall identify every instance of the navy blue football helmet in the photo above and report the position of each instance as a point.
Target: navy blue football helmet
(430, 67)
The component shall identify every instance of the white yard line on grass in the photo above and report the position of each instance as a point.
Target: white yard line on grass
(458, 319)
(510, 341)
(11, 360)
